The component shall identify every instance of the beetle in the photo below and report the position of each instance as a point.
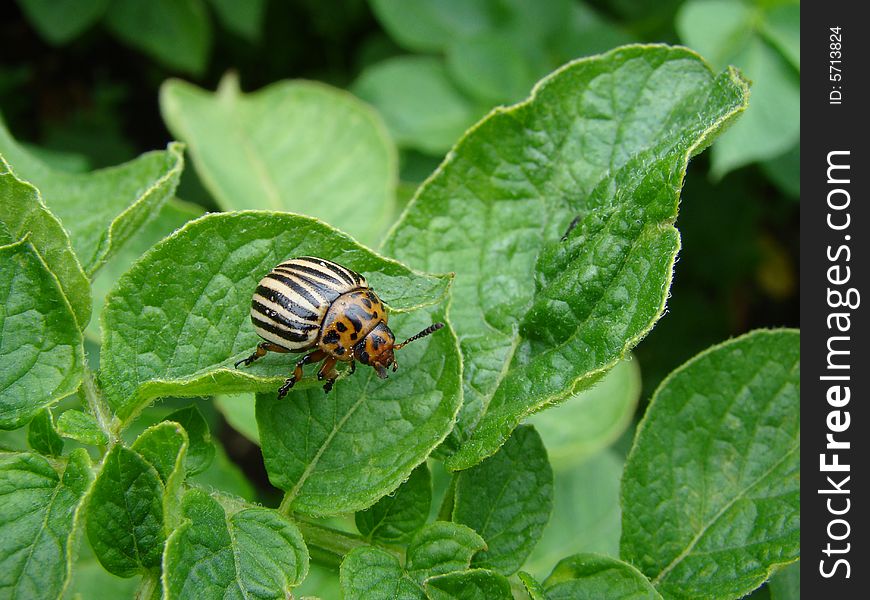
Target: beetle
(310, 303)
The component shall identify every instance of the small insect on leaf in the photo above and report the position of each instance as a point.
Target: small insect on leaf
(313, 304)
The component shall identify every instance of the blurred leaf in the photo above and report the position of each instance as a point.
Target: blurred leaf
(219, 555)
(785, 171)
(398, 515)
(101, 210)
(728, 32)
(430, 25)
(421, 106)
(782, 28)
(713, 477)
(242, 18)
(81, 427)
(507, 499)
(38, 505)
(341, 452)
(125, 514)
(225, 475)
(22, 213)
(175, 32)
(59, 160)
(174, 214)
(42, 436)
(585, 32)
(298, 146)
(59, 21)
(590, 577)
(474, 584)
(542, 318)
(586, 516)
(41, 347)
(591, 420)
(239, 411)
(180, 317)
(785, 584)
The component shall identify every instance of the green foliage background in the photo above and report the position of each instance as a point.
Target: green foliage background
(90, 84)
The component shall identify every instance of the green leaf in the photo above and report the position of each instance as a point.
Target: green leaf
(22, 213)
(441, 548)
(421, 106)
(42, 436)
(38, 504)
(297, 146)
(341, 452)
(180, 317)
(41, 347)
(240, 412)
(586, 516)
(587, 422)
(475, 584)
(101, 210)
(125, 514)
(175, 32)
(370, 573)
(201, 450)
(533, 587)
(604, 141)
(591, 576)
(81, 427)
(160, 445)
(430, 25)
(508, 499)
(220, 555)
(60, 21)
(782, 29)
(400, 514)
(225, 475)
(732, 32)
(242, 18)
(711, 489)
(785, 584)
(173, 215)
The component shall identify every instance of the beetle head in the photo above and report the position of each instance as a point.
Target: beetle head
(377, 348)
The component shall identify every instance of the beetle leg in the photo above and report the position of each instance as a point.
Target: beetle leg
(260, 352)
(327, 371)
(311, 357)
(352, 367)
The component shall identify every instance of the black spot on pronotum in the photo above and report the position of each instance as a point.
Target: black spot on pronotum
(331, 337)
(353, 336)
(339, 350)
(341, 327)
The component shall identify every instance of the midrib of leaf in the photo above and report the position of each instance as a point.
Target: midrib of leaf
(660, 577)
(291, 495)
(127, 511)
(273, 195)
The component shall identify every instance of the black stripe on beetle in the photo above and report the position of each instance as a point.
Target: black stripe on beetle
(294, 285)
(286, 303)
(289, 335)
(302, 269)
(281, 318)
(335, 268)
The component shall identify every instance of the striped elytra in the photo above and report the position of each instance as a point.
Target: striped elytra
(311, 303)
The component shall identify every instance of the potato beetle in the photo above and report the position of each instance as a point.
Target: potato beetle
(311, 302)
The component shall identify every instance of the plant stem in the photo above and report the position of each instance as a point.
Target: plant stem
(329, 546)
(445, 511)
(98, 407)
(147, 586)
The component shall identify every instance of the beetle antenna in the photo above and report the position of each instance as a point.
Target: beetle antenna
(429, 330)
